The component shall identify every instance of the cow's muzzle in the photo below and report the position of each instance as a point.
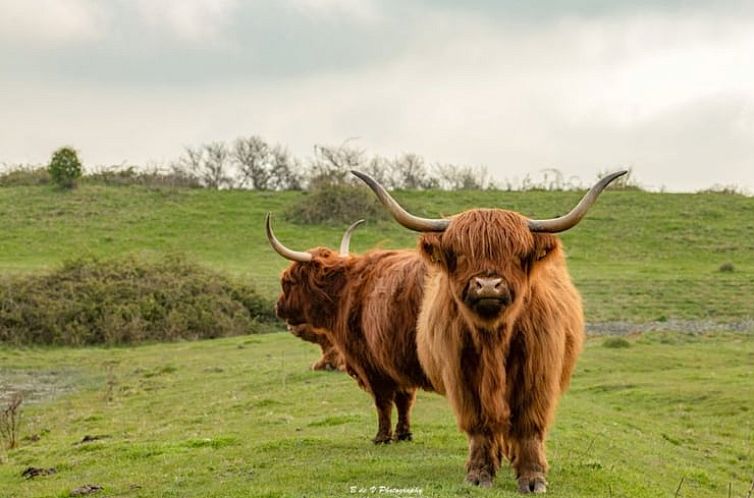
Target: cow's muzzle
(282, 312)
(488, 296)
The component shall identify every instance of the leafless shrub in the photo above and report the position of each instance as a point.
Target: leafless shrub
(210, 163)
(253, 157)
(331, 165)
(724, 189)
(625, 182)
(10, 421)
(451, 177)
(284, 172)
(412, 174)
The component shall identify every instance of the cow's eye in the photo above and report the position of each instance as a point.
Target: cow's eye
(450, 260)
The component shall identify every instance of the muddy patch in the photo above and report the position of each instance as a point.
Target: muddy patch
(35, 385)
(687, 326)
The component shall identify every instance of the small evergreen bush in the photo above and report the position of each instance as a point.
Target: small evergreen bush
(65, 167)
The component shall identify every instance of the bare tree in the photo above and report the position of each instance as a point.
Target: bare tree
(210, 163)
(384, 171)
(411, 173)
(265, 167)
(284, 172)
(216, 166)
(10, 421)
(331, 165)
(451, 177)
(253, 156)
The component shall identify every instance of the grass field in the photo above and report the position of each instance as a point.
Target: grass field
(244, 417)
(637, 257)
(670, 415)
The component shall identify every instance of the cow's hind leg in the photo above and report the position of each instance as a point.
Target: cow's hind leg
(404, 401)
(383, 401)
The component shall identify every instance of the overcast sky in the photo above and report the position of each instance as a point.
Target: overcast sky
(583, 86)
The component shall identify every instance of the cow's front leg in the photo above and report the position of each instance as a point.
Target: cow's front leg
(485, 452)
(383, 401)
(530, 463)
(404, 401)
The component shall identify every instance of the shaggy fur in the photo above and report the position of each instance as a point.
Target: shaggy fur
(331, 358)
(502, 374)
(369, 303)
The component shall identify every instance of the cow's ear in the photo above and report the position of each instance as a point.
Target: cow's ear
(545, 245)
(429, 246)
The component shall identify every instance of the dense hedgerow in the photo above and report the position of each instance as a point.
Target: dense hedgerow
(124, 301)
(151, 178)
(25, 175)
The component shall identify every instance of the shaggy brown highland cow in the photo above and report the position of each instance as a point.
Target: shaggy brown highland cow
(500, 328)
(369, 304)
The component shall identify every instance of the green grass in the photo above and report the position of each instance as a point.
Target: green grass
(244, 417)
(637, 257)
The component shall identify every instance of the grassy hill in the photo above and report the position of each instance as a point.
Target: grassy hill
(243, 417)
(668, 415)
(637, 257)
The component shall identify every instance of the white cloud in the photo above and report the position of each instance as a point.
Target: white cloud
(50, 22)
(364, 11)
(666, 94)
(188, 20)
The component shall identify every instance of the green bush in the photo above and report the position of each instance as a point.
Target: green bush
(335, 203)
(125, 301)
(65, 167)
(616, 343)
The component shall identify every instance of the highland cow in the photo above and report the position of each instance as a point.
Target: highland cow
(369, 304)
(500, 328)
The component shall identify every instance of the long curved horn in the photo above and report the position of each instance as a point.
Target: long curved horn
(345, 242)
(300, 256)
(402, 216)
(571, 219)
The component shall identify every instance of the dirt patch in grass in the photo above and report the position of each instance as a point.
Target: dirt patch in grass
(35, 385)
(686, 326)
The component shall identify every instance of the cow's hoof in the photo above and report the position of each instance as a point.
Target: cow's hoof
(480, 478)
(404, 436)
(382, 439)
(534, 484)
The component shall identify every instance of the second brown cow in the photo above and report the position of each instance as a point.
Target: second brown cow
(369, 304)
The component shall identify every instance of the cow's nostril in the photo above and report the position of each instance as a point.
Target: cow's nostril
(488, 284)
